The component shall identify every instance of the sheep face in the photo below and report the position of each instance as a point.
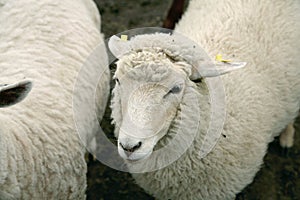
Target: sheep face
(148, 94)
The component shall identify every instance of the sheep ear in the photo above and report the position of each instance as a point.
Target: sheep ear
(218, 69)
(118, 47)
(14, 93)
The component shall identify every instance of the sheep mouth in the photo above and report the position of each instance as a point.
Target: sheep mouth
(131, 161)
(135, 160)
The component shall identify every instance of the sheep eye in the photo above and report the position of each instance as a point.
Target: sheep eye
(176, 89)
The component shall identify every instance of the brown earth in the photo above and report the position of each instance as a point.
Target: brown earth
(279, 177)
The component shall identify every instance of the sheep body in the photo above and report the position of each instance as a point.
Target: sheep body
(261, 99)
(41, 156)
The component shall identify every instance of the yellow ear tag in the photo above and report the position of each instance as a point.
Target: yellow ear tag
(219, 58)
(124, 37)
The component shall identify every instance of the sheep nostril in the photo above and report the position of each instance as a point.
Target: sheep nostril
(138, 145)
(130, 149)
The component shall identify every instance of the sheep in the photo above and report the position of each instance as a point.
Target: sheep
(50, 42)
(161, 97)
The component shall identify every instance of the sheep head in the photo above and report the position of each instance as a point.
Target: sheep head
(154, 72)
(149, 92)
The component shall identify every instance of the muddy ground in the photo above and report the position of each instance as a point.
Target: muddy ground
(279, 177)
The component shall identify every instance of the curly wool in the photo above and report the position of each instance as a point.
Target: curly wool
(41, 156)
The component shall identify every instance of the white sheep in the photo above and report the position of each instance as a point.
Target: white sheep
(156, 101)
(48, 42)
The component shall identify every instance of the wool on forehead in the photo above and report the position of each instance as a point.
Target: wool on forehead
(151, 65)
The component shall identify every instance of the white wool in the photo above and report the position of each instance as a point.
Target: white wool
(47, 41)
(261, 99)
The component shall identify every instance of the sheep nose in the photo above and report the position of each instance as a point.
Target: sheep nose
(128, 150)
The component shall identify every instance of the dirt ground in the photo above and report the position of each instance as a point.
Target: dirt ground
(279, 177)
